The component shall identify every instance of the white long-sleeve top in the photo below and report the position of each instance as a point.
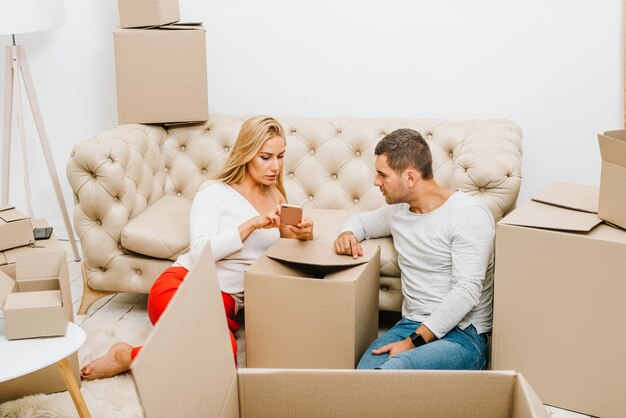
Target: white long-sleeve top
(216, 213)
(445, 258)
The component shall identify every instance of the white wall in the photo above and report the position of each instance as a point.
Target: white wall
(553, 67)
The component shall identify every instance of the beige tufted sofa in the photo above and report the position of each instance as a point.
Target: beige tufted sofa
(133, 185)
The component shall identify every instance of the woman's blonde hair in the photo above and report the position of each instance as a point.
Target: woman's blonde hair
(253, 134)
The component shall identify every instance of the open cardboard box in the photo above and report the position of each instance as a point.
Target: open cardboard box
(48, 379)
(186, 368)
(559, 292)
(16, 229)
(612, 206)
(140, 13)
(161, 74)
(308, 307)
(32, 304)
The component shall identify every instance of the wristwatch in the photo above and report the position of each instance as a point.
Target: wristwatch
(417, 339)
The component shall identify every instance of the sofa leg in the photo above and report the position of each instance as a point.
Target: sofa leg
(89, 295)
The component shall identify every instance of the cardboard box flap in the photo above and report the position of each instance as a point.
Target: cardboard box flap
(10, 214)
(316, 253)
(193, 326)
(526, 403)
(570, 196)
(182, 26)
(6, 285)
(539, 215)
(3, 259)
(3, 208)
(39, 265)
(613, 147)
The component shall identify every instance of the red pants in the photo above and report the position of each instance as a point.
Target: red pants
(162, 292)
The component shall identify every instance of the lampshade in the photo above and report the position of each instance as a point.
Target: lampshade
(21, 16)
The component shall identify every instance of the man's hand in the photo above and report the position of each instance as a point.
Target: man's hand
(405, 345)
(347, 244)
(395, 348)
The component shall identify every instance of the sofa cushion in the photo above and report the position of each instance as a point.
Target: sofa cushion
(328, 222)
(161, 231)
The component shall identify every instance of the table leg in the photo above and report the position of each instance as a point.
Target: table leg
(72, 386)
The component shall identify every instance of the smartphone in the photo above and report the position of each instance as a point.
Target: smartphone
(290, 214)
(42, 233)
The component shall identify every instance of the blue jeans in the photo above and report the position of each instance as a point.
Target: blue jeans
(459, 349)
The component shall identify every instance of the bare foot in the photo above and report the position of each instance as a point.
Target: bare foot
(117, 360)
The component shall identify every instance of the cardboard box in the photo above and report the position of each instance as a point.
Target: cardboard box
(7, 258)
(308, 307)
(32, 304)
(612, 207)
(47, 380)
(141, 13)
(559, 292)
(16, 229)
(161, 74)
(208, 384)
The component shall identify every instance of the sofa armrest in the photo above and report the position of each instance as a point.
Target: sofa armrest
(114, 177)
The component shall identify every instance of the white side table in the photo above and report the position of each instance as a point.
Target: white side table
(21, 357)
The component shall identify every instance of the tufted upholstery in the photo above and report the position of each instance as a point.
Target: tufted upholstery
(329, 168)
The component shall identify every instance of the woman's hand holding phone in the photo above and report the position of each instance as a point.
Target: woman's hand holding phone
(303, 231)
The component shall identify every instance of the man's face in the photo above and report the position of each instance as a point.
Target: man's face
(391, 184)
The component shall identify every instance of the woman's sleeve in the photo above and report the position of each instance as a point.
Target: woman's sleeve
(205, 225)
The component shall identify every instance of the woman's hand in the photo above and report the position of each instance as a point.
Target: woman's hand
(303, 231)
(267, 220)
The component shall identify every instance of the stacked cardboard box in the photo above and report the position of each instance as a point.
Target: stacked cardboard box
(308, 307)
(45, 258)
(559, 295)
(160, 69)
(16, 229)
(142, 13)
(195, 328)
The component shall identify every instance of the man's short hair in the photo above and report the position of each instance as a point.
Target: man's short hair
(406, 148)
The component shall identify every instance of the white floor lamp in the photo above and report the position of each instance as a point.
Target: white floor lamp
(22, 16)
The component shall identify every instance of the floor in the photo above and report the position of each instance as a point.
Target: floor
(132, 307)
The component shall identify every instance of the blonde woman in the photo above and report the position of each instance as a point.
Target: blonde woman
(238, 213)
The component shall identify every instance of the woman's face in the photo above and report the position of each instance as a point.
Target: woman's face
(268, 162)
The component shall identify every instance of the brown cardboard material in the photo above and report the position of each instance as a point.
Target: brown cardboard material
(613, 177)
(16, 229)
(141, 13)
(47, 380)
(207, 383)
(7, 258)
(308, 307)
(559, 307)
(33, 305)
(161, 74)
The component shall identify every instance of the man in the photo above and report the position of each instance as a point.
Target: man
(444, 240)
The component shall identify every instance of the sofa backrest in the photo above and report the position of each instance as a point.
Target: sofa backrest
(329, 162)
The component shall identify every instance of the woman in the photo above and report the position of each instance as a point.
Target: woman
(238, 213)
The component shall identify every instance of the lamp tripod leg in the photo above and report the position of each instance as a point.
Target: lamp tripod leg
(45, 145)
(8, 120)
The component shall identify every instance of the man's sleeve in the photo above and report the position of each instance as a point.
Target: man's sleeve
(205, 226)
(471, 251)
(368, 225)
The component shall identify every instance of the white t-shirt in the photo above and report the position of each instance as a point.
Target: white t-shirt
(216, 213)
(445, 258)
